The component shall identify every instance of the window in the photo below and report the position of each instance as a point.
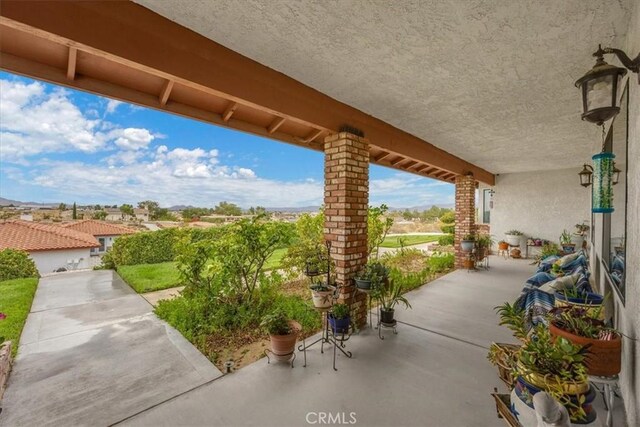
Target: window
(102, 246)
(486, 205)
(615, 223)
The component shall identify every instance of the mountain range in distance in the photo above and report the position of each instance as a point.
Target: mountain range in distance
(175, 208)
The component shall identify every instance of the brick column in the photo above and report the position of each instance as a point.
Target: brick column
(346, 199)
(465, 213)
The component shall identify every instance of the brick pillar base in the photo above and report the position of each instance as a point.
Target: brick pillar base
(465, 213)
(346, 199)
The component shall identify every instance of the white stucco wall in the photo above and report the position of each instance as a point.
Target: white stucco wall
(48, 261)
(540, 204)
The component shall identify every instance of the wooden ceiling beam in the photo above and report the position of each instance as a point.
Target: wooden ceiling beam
(165, 92)
(381, 156)
(228, 112)
(72, 63)
(398, 160)
(169, 51)
(275, 124)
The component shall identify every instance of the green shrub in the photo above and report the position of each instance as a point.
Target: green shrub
(446, 240)
(149, 247)
(448, 228)
(15, 264)
(448, 217)
(441, 262)
(409, 280)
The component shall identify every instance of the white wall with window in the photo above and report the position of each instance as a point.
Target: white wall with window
(106, 242)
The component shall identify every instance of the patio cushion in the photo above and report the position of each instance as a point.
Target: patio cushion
(561, 283)
(567, 259)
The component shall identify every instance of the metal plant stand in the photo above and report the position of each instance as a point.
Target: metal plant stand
(292, 356)
(328, 336)
(369, 304)
(385, 325)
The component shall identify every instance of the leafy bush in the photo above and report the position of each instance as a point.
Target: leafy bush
(232, 264)
(446, 240)
(441, 262)
(409, 280)
(149, 247)
(448, 228)
(307, 243)
(15, 264)
(448, 217)
(378, 226)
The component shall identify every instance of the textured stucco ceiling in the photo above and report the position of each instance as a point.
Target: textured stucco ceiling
(488, 81)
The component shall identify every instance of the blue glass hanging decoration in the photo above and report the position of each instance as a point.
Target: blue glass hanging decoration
(602, 188)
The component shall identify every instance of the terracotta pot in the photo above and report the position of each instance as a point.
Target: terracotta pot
(603, 357)
(469, 264)
(503, 246)
(322, 299)
(283, 346)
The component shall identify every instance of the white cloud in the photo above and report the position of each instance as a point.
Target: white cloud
(34, 121)
(132, 138)
(165, 182)
(112, 105)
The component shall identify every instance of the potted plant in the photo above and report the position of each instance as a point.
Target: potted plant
(283, 334)
(484, 243)
(340, 319)
(543, 363)
(579, 235)
(573, 297)
(322, 295)
(554, 365)
(468, 242)
(513, 237)
(584, 327)
(565, 242)
(389, 295)
(372, 275)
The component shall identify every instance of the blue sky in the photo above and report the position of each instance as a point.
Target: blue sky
(63, 145)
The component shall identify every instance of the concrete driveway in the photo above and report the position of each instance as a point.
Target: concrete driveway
(93, 353)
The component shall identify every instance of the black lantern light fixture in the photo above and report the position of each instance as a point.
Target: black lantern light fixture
(615, 177)
(585, 175)
(600, 86)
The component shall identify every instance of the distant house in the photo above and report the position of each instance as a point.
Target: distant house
(104, 232)
(51, 247)
(114, 214)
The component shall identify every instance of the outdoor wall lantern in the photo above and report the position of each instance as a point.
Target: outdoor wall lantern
(616, 174)
(600, 86)
(585, 175)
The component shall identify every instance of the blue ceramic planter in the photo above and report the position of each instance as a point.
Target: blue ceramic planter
(589, 298)
(339, 326)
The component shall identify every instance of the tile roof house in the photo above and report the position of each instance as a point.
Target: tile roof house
(50, 246)
(104, 232)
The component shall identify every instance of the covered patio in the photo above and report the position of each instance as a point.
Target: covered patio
(478, 94)
(434, 372)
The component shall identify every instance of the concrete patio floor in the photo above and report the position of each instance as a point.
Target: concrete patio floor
(92, 353)
(433, 373)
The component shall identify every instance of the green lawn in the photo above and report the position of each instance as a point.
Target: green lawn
(410, 239)
(150, 277)
(154, 277)
(15, 302)
(274, 260)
